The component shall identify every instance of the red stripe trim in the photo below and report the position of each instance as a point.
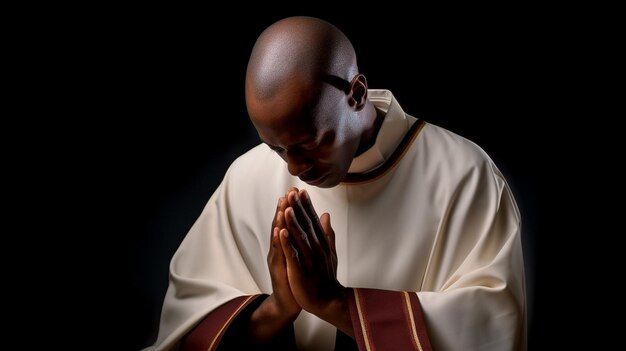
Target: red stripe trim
(384, 319)
(208, 333)
(391, 162)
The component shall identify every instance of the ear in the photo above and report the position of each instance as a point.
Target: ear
(357, 95)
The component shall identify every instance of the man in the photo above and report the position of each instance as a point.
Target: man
(423, 248)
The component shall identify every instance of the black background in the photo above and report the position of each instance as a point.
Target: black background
(157, 94)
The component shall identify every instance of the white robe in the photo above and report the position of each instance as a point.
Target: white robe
(441, 222)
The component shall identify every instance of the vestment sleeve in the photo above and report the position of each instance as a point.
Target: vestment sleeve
(385, 320)
(211, 280)
(208, 333)
(473, 293)
(225, 328)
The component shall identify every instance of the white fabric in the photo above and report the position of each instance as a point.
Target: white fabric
(442, 223)
(392, 130)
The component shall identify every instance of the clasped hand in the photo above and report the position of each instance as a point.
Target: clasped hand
(303, 260)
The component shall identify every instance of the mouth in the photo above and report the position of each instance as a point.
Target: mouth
(316, 181)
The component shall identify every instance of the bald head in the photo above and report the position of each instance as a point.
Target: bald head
(307, 100)
(297, 53)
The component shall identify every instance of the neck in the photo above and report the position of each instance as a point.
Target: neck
(375, 118)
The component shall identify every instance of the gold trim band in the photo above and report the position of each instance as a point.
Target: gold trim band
(407, 300)
(361, 320)
(219, 333)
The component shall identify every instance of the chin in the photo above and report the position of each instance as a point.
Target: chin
(330, 182)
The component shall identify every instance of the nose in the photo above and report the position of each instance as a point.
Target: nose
(298, 165)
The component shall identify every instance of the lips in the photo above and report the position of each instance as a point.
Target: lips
(314, 181)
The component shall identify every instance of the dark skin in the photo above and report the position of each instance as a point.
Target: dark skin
(317, 128)
(308, 245)
(303, 265)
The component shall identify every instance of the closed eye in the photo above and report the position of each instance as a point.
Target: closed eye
(297, 148)
(309, 147)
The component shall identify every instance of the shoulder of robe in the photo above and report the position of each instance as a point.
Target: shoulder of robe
(455, 151)
(253, 168)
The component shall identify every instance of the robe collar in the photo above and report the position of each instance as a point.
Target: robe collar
(394, 127)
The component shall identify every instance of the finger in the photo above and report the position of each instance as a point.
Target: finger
(282, 203)
(301, 215)
(275, 257)
(307, 204)
(298, 239)
(277, 265)
(330, 239)
(280, 264)
(328, 231)
(275, 213)
(280, 220)
(290, 254)
(279, 217)
(291, 190)
(303, 219)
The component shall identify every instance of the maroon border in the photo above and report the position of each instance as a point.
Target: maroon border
(383, 319)
(208, 333)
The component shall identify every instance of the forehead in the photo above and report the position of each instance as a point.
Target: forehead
(285, 119)
(287, 130)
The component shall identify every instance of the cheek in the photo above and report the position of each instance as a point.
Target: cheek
(347, 126)
(339, 158)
